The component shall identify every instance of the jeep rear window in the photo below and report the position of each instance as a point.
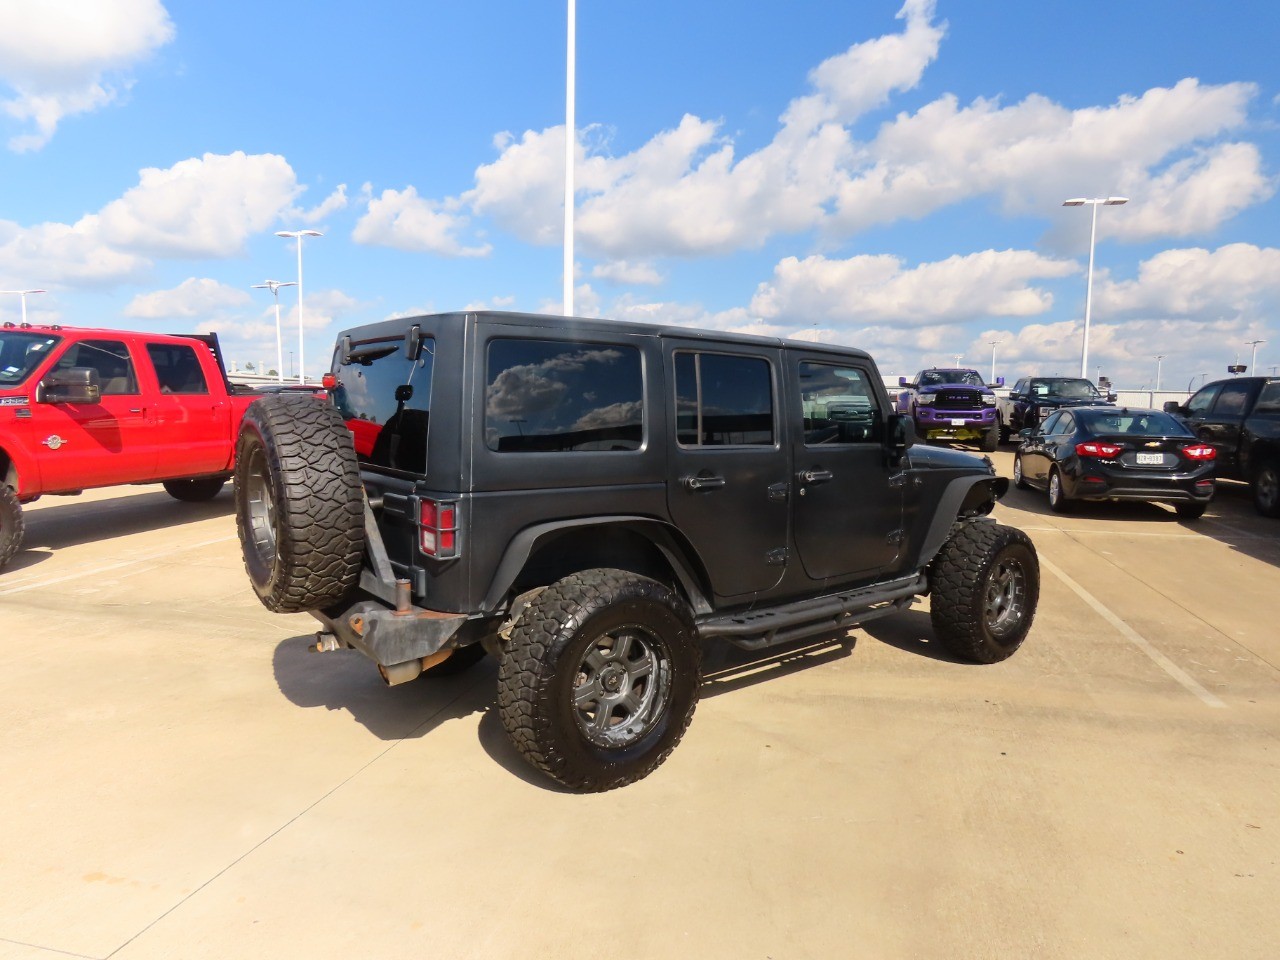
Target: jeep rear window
(385, 398)
(20, 353)
(723, 400)
(563, 395)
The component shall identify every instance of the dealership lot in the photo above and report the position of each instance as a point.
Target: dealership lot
(184, 779)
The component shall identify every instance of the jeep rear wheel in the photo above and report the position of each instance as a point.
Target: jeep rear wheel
(599, 679)
(195, 490)
(299, 503)
(10, 523)
(985, 584)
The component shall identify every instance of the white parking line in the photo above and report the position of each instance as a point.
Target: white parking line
(1160, 660)
(97, 569)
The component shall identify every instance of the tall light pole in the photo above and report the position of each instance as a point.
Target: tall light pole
(993, 344)
(958, 357)
(23, 295)
(570, 141)
(1095, 202)
(274, 286)
(1159, 361)
(1253, 362)
(299, 234)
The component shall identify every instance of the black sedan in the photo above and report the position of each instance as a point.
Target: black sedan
(1109, 453)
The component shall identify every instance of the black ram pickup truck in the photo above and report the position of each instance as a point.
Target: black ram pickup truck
(1034, 398)
(1241, 418)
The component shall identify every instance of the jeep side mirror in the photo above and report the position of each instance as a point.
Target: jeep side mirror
(72, 385)
(900, 433)
(902, 381)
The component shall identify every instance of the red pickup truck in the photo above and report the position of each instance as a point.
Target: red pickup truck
(83, 408)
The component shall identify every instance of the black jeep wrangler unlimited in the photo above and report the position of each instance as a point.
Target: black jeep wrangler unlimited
(589, 501)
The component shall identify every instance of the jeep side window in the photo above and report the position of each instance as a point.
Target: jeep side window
(110, 358)
(563, 395)
(723, 400)
(385, 398)
(177, 368)
(839, 405)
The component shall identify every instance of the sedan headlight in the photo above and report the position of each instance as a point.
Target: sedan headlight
(926, 398)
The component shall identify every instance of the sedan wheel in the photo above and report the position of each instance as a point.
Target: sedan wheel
(1018, 480)
(1058, 502)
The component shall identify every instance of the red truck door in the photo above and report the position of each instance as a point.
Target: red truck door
(96, 444)
(191, 411)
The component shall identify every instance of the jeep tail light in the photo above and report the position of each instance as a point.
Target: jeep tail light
(1200, 451)
(1107, 451)
(438, 529)
(329, 381)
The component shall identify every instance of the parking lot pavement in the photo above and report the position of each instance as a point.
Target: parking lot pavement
(183, 779)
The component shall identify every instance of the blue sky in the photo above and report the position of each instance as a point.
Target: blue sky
(878, 174)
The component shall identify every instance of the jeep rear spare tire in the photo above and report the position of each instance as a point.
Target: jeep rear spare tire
(985, 583)
(299, 503)
(599, 679)
(10, 523)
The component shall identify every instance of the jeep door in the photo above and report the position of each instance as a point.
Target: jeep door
(848, 500)
(729, 469)
(96, 444)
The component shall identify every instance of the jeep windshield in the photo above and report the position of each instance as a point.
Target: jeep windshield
(938, 378)
(1065, 387)
(22, 352)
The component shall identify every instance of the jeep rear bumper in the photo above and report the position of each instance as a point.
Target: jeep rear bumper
(388, 637)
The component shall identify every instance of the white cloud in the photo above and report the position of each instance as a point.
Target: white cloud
(194, 297)
(200, 207)
(1236, 280)
(331, 204)
(405, 221)
(628, 272)
(63, 57)
(871, 289)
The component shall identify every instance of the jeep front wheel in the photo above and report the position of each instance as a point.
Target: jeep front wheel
(10, 523)
(299, 503)
(599, 679)
(985, 583)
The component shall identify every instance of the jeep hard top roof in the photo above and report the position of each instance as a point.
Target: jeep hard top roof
(387, 329)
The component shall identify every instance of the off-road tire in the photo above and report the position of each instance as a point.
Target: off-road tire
(1019, 480)
(571, 638)
(195, 490)
(985, 584)
(1190, 511)
(1058, 501)
(1005, 432)
(11, 524)
(1265, 486)
(990, 440)
(299, 503)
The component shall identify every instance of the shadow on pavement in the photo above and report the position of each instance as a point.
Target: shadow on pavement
(911, 632)
(347, 680)
(726, 668)
(89, 521)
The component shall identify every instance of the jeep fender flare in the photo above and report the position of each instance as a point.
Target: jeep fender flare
(963, 496)
(679, 555)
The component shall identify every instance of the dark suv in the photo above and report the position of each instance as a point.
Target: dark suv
(589, 501)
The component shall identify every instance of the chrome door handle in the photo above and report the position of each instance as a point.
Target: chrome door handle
(703, 483)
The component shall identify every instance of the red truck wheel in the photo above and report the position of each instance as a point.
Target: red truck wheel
(10, 524)
(301, 552)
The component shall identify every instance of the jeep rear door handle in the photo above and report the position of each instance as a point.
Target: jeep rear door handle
(703, 483)
(816, 476)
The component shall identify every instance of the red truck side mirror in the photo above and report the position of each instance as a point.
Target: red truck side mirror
(72, 385)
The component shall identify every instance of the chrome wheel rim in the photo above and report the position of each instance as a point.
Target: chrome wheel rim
(1017, 470)
(622, 687)
(261, 510)
(1005, 601)
(1055, 490)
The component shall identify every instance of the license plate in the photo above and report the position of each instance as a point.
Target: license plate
(957, 423)
(1151, 458)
